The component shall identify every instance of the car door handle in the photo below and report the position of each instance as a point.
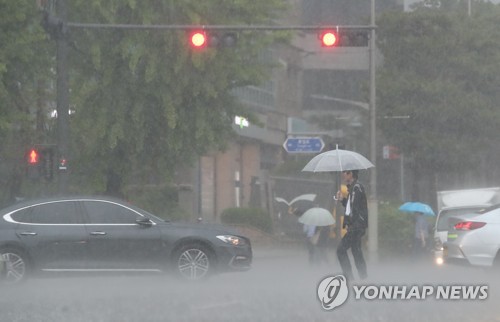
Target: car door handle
(98, 233)
(28, 233)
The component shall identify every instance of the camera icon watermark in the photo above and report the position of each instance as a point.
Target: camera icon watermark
(333, 291)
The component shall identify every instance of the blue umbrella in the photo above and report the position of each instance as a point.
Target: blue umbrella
(417, 207)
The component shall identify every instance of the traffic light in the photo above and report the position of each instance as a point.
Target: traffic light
(33, 157)
(47, 166)
(40, 162)
(225, 39)
(328, 38)
(344, 38)
(354, 38)
(63, 163)
(200, 39)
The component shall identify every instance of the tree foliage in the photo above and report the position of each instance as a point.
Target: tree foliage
(145, 101)
(25, 61)
(441, 68)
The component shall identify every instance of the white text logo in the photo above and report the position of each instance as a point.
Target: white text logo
(448, 292)
(333, 292)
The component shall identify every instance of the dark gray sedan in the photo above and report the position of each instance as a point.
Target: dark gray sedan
(92, 234)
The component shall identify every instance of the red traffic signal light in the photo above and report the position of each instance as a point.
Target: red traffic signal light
(33, 156)
(343, 38)
(328, 38)
(198, 39)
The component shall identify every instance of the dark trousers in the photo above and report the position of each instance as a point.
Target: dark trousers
(352, 239)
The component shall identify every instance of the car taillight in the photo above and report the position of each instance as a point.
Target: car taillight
(469, 225)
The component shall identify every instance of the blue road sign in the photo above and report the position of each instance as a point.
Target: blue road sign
(304, 145)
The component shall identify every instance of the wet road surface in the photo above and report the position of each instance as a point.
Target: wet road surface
(281, 286)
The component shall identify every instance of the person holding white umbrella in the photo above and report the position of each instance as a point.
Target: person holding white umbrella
(356, 220)
(356, 213)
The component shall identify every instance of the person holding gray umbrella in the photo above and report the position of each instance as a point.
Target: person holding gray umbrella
(356, 220)
(317, 222)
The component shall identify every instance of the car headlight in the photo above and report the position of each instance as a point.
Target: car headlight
(233, 240)
(439, 261)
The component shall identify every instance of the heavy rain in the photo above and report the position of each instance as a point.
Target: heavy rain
(215, 160)
(281, 286)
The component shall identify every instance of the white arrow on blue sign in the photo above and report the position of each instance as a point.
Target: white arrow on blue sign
(304, 145)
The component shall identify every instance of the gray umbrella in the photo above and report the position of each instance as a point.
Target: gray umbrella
(317, 217)
(337, 160)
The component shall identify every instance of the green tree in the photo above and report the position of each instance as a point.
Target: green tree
(145, 101)
(440, 68)
(25, 61)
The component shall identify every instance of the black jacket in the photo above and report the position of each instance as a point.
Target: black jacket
(358, 218)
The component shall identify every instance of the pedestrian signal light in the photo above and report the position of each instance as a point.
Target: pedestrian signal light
(63, 163)
(328, 38)
(198, 39)
(33, 157)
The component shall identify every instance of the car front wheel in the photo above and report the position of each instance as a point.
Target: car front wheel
(194, 262)
(14, 266)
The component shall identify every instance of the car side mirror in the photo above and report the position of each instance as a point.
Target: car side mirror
(143, 221)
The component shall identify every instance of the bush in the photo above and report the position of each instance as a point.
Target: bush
(396, 230)
(256, 217)
(161, 201)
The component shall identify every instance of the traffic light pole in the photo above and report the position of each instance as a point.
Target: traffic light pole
(62, 96)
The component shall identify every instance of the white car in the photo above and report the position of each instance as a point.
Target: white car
(474, 240)
(441, 226)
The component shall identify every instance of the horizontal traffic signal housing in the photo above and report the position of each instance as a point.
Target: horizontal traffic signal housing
(343, 38)
(199, 39)
(224, 39)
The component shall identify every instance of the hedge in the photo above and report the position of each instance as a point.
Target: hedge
(255, 217)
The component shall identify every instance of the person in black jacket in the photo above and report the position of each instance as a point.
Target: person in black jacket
(356, 222)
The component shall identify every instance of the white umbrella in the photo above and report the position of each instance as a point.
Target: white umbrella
(317, 217)
(299, 204)
(307, 197)
(337, 160)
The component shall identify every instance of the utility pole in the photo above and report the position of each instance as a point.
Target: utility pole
(62, 96)
(373, 202)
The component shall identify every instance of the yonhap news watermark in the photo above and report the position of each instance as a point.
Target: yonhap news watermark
(334, 291)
